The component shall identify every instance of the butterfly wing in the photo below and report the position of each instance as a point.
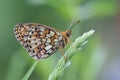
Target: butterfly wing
(39, 40)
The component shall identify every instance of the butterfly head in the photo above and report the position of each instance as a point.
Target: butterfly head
(68, 32)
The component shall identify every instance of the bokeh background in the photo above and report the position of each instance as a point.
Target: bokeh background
(98, 60)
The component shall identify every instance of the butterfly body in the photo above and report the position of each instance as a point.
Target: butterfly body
(39, 40)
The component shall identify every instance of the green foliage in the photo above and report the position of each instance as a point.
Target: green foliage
(27, 75)
(15, 61)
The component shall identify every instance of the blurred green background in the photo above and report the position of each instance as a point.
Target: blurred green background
(98, 60)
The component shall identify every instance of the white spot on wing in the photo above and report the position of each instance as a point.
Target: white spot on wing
(48, 40)
(26, 33)
(41, 33)
(60, 37)
(52, 33)
(43, 40)
(48, 47)
(35, 57)
(25, 38)
(56, 44)
(48, 35)
(50, 51)
(58, 33)
(44, 56)
(42, 29)
(56, 40)
(33, 46)
(31, 53)
(46, 44)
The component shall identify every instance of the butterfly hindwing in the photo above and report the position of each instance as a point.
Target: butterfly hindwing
(39, 40)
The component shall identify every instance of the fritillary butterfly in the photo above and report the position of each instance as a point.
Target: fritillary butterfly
(39, 40)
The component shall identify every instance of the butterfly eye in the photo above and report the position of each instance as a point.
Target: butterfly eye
(68, 33)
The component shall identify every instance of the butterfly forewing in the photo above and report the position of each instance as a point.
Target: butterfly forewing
(39, 40)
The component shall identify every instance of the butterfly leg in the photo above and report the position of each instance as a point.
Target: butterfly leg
(70, 43)
(62, 53)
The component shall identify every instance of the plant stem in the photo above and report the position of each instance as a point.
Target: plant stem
(27, 75)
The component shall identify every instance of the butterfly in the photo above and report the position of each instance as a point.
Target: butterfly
(41, 41)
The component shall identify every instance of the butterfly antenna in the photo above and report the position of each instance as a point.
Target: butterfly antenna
(73, 24)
